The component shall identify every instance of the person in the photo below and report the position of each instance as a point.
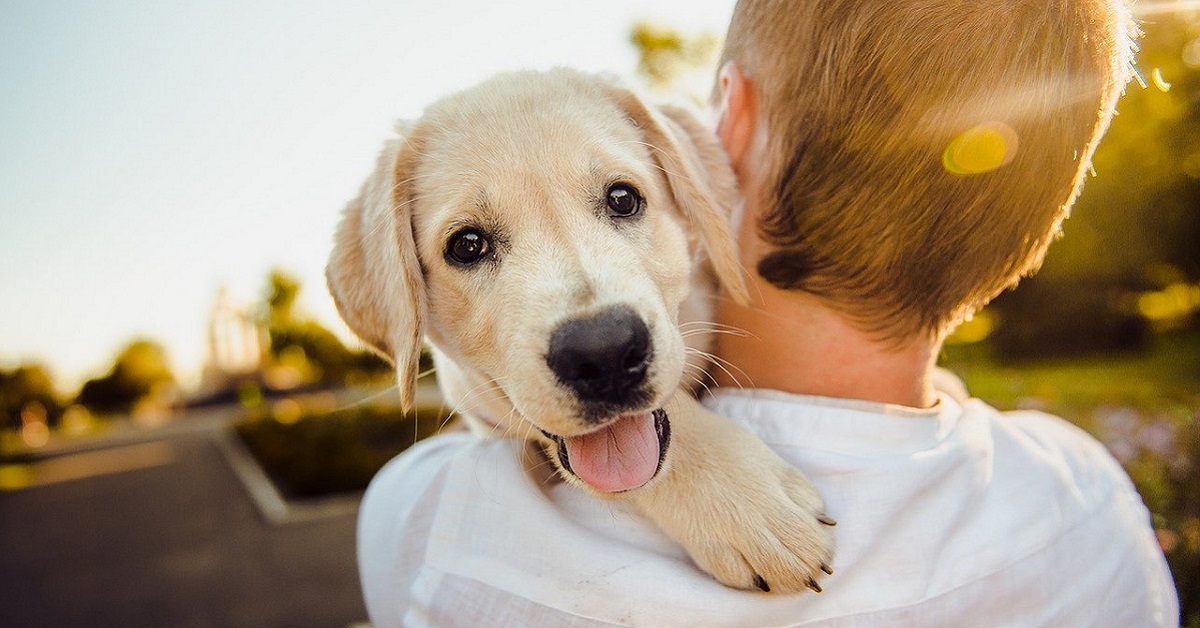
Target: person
(901, 163)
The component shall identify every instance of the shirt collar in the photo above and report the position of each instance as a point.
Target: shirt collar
(850, 426)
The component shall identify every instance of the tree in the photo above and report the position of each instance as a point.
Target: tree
(282, 291)
(1142, 210)
(1136, 228)
(672, 62)
(25, 388)
(303, 347)
(140, 371)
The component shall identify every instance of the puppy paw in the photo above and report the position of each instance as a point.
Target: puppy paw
(775, 538)
(742, 513)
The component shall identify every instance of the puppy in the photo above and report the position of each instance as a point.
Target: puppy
(549, 235)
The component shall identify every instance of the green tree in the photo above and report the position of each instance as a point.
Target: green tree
(312, 352)
(282, 291)
(139, 371)
(1138, 220)
(671, 62)
(25, 386)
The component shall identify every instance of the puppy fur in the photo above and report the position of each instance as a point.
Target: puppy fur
(524, 160)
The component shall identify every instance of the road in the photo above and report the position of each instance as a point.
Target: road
(161, 532)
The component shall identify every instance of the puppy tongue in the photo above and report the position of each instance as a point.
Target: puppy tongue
(620, 456)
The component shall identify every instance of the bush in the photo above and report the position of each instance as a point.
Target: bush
(1046, 318)
(310, 454)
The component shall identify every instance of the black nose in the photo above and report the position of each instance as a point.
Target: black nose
(602, 358)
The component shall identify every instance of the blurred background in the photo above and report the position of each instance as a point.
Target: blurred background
(186, 426)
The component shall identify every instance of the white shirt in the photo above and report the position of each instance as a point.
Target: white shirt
(955, 516)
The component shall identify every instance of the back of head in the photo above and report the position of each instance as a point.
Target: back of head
(922, 153)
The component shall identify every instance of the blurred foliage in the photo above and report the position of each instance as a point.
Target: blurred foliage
(29, 388)
(312, 453)
(281, 293)
(1138, 220)
(302, 351)
(141, 372)
(671, 62)
(1054, 317)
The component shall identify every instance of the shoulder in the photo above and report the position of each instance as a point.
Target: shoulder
(402, 508)
(1033, 441)
(407, 492)
(1044, 431)
(397, 487)
(1102, 540)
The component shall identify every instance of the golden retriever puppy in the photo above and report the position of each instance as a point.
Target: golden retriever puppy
(549, 235)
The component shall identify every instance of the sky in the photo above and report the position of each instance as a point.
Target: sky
(152, 152)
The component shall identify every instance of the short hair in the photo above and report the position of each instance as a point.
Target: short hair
(922, 154)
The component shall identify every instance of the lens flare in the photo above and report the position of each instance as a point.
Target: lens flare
(981, 149)
(1161, 83)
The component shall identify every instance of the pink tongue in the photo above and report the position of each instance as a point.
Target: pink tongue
(618, 457)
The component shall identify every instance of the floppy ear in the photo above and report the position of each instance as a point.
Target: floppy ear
(373, 272)
(701, 180)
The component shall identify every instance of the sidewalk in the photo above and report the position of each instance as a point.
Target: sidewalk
(157, 530)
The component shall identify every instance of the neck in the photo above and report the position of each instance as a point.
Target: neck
(795, 343)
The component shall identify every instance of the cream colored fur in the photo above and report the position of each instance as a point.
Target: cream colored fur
(528, 157)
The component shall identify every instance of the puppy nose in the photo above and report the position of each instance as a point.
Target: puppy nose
(601, 357)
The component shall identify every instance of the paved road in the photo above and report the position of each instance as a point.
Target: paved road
(161, 533)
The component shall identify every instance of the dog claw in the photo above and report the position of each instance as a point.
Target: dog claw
(761, 584)
(827, 569)
(812, 584)
(826, 519)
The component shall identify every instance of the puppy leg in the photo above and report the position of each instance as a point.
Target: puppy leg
(742, 513)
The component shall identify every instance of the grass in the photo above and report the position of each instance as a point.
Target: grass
(1165, 379)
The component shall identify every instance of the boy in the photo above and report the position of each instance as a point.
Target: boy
(901, 162)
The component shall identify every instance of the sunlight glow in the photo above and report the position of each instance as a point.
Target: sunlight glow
(1144, 9)
(973, 328)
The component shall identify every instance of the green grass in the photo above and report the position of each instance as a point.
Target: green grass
(1165, 380)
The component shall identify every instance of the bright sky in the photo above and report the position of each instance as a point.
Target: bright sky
(154, 151)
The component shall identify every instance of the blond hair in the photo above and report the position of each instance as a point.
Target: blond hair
(922, 154)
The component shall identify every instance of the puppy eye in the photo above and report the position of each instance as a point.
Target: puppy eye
(468, 246)
(623, 201)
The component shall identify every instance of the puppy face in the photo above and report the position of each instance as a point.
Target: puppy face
(533, 229)
(527, 224)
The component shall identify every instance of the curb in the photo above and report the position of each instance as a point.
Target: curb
(272, 507)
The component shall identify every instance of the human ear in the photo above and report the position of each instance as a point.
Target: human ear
(738, 118)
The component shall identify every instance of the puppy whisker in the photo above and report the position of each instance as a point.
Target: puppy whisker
(390, 392)
(715, 332)
(470, 400)
(698, 381)
(688, 325)
(723, 364)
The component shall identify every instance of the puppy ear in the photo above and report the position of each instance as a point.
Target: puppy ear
(373, 272)
(700, 177)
